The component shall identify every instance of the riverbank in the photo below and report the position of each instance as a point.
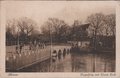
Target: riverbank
(92, 50)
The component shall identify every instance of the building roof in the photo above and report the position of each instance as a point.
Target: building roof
(84, 26)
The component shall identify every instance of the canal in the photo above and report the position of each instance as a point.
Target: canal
(76, 62)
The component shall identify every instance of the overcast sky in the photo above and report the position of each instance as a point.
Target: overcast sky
(68, 11)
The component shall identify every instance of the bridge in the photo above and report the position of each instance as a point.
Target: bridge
(17, 61)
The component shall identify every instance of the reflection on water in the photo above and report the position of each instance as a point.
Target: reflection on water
(82, 62)
(93, 63)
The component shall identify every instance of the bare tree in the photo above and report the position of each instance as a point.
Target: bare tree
(55, 27)
(11, 27)
(11, 33)
(96, 23)
(110, 24)
(26, 25)
(110, 27)
(20, 29)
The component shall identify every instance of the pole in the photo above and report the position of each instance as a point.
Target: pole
(94, 63)
(18, 39)
(50, 48)
(50, 41)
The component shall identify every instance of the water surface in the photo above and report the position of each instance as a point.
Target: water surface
(76, 62)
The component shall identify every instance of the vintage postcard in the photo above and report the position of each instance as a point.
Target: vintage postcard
(59, 39)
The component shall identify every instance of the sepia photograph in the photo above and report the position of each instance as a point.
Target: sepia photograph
(54, 36)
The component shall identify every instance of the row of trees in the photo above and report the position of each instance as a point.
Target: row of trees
(22, 30)
(59, 31)
(102, 28)
(56, 29)
(102, 24)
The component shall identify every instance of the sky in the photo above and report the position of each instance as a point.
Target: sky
(68, 11)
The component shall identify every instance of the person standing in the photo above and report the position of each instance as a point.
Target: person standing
(21, 45)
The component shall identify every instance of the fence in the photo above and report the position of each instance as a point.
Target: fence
(16, 61)
(10, 43)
